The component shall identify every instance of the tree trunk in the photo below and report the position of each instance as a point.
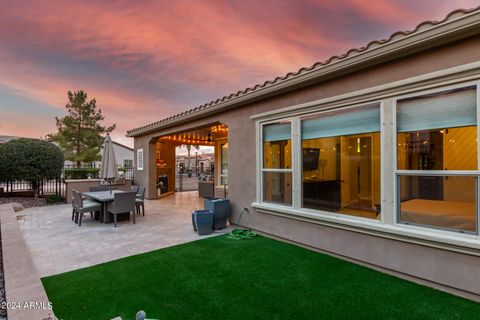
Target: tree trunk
(35, 188)
(78, 138)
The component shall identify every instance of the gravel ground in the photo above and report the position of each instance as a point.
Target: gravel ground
(25, 201)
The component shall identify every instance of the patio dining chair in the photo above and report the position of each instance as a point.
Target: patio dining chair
(135, 189)
(140, 201)
(73, 204)
(123, 202)
(82, 206)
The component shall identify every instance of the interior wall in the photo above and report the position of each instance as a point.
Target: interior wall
(166, 152)
(345, 172)
(376, 162)
(460, 153)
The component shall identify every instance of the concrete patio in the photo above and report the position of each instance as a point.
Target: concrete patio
(58, 245)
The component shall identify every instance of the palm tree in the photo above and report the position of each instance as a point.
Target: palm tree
(189, 146)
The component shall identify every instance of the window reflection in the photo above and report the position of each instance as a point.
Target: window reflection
(342, 174)
(278, 187)
(447, 202)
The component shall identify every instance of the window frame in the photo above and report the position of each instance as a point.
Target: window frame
(353, 107)
(140, 159)
(127, 163)
(296, 169)
(398, 172)
(220, 175)
(261, 192)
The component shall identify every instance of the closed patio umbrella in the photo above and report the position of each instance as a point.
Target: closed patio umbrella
(108, 170)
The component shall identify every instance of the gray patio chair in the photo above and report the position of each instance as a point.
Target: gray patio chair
(123, 202)
(139, 202)
(82, 206)
(135, 189)
(99, 188)
(73, 203)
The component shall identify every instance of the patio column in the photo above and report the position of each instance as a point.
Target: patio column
(151, 171)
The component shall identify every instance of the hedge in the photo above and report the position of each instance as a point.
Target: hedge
(82, 173)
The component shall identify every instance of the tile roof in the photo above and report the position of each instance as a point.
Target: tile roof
(305, 70)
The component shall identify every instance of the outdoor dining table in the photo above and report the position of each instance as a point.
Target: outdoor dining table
(104, 197)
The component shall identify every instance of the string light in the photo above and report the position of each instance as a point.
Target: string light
(198, 138)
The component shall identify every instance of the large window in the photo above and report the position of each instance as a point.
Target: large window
(277, 163)
(406, 165)
(437, 160)
(341, 161)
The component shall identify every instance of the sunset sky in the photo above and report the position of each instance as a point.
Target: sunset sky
(145, 60)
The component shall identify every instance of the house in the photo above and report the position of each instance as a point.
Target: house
(123, 156)
(372, 155)
(198, 162)
(5, 139)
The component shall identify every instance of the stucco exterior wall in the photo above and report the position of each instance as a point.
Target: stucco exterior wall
(445, 267)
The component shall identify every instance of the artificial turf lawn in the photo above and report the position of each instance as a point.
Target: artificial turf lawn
(217, 278)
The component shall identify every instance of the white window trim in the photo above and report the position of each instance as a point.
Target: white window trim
(387, 227)
(260, 193)
(219, 164)
(472, 173)
(142, 157)
(296, 141)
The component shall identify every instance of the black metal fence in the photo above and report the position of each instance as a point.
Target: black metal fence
(47, 187)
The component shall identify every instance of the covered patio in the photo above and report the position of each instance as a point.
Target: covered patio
(158, 170)
(58, 245)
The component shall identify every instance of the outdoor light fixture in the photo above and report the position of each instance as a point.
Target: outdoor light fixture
(209, 137)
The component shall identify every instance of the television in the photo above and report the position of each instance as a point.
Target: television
(310, 158)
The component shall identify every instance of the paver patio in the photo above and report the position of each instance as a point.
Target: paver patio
(58, 245)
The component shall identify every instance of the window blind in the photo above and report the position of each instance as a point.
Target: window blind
(276, 132)
(344, 123)
(445, 110)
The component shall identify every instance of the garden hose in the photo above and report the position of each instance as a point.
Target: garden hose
(241, 234)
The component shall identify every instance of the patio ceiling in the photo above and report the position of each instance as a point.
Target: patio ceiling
(199, 136)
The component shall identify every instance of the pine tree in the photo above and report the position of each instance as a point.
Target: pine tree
(80, 132)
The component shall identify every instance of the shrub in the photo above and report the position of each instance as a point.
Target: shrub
(82, 173)
(30, 160)
(53, 198)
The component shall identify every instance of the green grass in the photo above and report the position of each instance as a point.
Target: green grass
(217, 278)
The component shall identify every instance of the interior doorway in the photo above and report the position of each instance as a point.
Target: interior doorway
(360, 173)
